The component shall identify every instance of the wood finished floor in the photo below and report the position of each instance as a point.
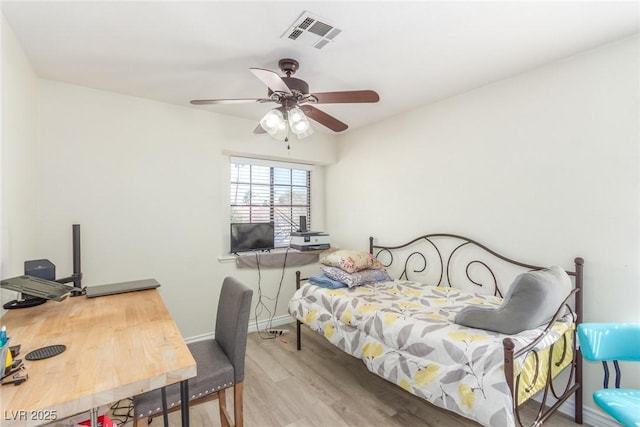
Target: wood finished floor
(321, 386)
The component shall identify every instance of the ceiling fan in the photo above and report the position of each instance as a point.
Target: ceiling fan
(295, 103)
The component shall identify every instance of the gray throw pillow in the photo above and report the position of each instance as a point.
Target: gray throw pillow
(532, 300)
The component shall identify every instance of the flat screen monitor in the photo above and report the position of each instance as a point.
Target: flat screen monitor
(246, 236)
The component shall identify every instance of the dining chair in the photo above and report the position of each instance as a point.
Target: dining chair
(219, 363)
(614, 342)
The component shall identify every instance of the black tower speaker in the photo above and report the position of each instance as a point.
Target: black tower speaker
(46, 270)
(303, 224)
(40, 268)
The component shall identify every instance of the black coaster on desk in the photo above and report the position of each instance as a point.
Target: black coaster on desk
(45, 352)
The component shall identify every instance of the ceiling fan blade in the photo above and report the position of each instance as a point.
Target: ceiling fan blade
(272, 80)
(349, 96)
(259, 129)
(229, 101)
(324, 118)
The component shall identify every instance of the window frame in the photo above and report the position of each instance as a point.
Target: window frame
(291, 218)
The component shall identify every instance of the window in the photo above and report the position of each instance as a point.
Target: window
(266, 191)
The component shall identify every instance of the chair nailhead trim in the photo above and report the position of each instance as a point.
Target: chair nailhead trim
(172, 404)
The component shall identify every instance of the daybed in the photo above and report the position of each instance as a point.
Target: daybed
(410, 331)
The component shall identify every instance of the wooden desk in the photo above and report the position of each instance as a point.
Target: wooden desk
(118, 346)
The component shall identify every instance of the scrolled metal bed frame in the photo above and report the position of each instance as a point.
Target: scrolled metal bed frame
(444, 262)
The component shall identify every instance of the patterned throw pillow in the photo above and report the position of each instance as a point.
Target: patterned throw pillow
(358, 278)
(351, 261)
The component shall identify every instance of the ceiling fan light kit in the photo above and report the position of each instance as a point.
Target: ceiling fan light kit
(272, 121)
(274, 124)
(299, 123)
(279, 121)
(294, 98)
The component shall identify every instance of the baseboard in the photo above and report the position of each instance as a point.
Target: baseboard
(253, 327)
(264, 324)
(590, 416)
(595, 418)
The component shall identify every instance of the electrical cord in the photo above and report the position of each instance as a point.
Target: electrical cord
(261, 306)
(122, 405)
(275, 308)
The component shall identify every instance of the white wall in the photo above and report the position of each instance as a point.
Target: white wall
(149, 184)
(18, 222)
(542, 167)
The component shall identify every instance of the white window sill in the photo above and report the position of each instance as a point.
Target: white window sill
(223, 259)
(275, 258)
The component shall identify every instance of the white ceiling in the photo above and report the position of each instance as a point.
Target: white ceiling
(412, 53)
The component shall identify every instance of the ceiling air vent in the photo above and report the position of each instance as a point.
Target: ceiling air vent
(312, 30)
(295, 34)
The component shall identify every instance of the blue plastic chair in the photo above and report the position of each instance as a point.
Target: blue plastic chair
(613, 342)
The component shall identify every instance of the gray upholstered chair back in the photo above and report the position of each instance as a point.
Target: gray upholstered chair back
(232, 322)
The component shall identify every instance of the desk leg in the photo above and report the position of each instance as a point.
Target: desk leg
(165, 413)
(184, 396)
(93, 417)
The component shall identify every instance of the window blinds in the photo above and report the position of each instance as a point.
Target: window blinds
(266, 191)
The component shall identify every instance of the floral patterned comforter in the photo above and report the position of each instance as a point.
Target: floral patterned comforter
(404, 332)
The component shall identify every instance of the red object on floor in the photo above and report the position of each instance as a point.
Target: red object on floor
(103, 421)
